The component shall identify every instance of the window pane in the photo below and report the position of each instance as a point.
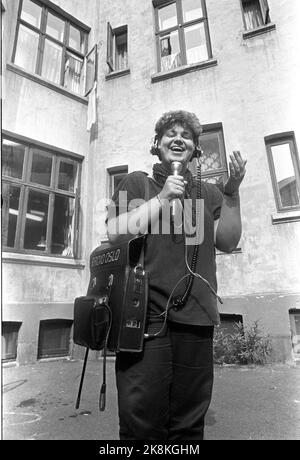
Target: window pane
(252, 14)
(10, 212)
(170, 51)
(211, 157)
(36, 221)
(27, 47)
(67, 176)
(73, 79)
(195, 41)
(77, 39)
(54, 338)
(192, 9)
(55, 27)
(285, 175)
(9, 343)
(63, 223)
(217, 180)
(52, 61)
(31, 12)
(12, 159)
(41, 169)
(121, 51)
(117, 179)
(167, 16)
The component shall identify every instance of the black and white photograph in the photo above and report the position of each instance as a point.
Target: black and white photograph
(150, 215)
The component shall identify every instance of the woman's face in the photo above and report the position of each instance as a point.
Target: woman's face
(176, 144)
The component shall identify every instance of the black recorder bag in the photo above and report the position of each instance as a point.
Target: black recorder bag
(113, 313)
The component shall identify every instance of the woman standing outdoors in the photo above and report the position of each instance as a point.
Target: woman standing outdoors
(164, 392)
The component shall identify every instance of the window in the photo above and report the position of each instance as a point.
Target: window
(229, 321)
(40, 191)
(54, 338)
(10, 332)
(213, 158)
(255, 13)
(115, 176)
(50, 45)
(117, 54)
(295, 330)
(285, 170)
(182, 35)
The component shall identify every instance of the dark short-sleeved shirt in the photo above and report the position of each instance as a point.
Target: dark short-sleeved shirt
(165, 256)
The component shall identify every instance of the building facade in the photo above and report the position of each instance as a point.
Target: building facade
(84, 84)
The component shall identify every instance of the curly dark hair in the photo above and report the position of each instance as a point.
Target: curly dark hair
(186, 119)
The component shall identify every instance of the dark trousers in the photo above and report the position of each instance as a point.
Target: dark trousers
(165, 391)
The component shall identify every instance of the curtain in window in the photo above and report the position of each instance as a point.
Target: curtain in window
(73, 74)
(26, 53)
(253, 16)
(63, 226)
(121, 57)
(5, 212)
(170, 52)
(69, 228)
(52, 61)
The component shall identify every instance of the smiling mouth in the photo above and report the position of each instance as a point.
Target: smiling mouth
(177, 149)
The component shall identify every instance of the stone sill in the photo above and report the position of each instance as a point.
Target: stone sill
(117, 74)
(258, 31)
(160, 76)
(285, 217)
(36, 78)
(12, 363)
(49, 261)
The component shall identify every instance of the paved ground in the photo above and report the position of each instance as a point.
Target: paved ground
(259, 403)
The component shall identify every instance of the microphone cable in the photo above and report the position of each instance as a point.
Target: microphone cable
(165, 312)
(180, 301)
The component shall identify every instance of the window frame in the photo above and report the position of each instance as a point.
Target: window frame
(180, 26)
(223, 171)
(88, 85)
(111, 48)
(12, 329)
(294, 317)
(279, 139)
(111, 173)
(265, 13)
(52, 191)
(47, 6)
(60, 323)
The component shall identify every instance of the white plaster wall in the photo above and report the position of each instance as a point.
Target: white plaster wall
(253, 91)
(42, 114)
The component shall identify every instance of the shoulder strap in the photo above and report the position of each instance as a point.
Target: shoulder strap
(147, 189)
(146, 198)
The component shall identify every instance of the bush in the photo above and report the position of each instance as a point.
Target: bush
(246, 345)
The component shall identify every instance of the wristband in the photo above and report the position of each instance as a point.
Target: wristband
(232, 195)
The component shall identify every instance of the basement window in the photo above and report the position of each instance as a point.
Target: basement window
(9, 345)
(229, 321)
(295, 330)
(54, 338)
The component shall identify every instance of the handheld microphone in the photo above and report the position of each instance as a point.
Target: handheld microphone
(176, 167)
